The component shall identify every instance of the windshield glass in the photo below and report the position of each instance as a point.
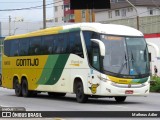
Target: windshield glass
(125, 55)
(138, 56)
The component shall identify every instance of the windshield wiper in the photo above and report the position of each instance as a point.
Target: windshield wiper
(122, 66)
(125, 63)
(134, 67)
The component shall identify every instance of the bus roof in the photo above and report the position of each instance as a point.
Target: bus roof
(111, 29)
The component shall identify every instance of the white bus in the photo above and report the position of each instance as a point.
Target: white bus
(88, 59)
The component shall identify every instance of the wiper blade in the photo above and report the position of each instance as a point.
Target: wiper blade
(132, 59)
(134, 67)
(122, 66)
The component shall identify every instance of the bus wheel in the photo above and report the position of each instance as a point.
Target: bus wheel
(17, 88)
(25, 91)
(120, 98)
(56, 94)
(80, 96)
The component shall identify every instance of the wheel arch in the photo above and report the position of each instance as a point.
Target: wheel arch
(15, 77)
(76, 80)
(23, 77)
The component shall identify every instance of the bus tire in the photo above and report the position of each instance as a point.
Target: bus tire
(25, 91)
(80, 96)
(120, 99)
(17, 87)
(56, 94)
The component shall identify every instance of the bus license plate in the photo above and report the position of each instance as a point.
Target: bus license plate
(129, 92)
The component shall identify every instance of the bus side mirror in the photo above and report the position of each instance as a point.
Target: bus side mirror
(101, 46)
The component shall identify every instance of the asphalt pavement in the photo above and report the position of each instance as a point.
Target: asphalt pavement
(43, 102)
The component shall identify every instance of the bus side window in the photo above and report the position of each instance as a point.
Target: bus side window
(14, 48)
(56, 44)
(61, 43)
(75, 44)
(24, 46)
(7, 44)
(66, 43)
(95, 56)
(88, 35)
(47, 45)
(35, 46)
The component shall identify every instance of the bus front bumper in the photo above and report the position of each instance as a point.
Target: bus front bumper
(113, 89)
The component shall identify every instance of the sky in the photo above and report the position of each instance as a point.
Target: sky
(26, 15)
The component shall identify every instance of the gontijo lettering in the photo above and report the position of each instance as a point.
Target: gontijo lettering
(27, 62)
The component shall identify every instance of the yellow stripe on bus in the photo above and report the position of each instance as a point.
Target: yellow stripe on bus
(120, 80)
(47, 31)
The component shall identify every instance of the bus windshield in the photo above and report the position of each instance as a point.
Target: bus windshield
(125, 56)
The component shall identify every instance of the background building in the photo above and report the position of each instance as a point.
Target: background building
(63, 14)
(68, 13)
(58, 11)
(122, 12)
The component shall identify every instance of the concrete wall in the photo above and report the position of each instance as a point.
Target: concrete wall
(147, 24)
